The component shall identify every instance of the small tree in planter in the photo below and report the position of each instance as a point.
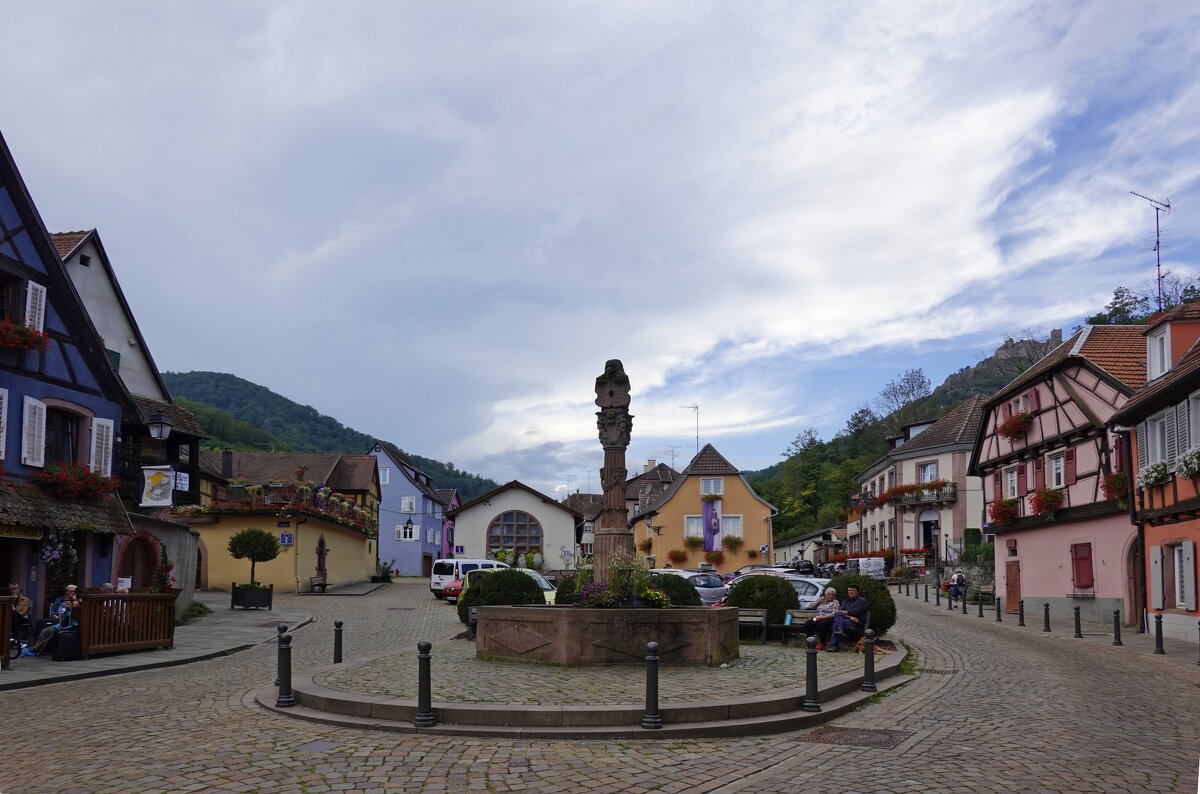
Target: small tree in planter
(256, 545)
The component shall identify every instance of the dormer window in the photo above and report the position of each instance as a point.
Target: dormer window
(1157, 356)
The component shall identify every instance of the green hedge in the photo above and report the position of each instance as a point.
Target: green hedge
(503, 588)
(879, 599)
(677, 588)
(564, 592)
(772, 593)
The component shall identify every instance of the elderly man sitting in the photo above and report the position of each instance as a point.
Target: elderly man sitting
(63, 611)
(851, 620)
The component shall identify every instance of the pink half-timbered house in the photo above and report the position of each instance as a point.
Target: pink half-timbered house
(1044, 454)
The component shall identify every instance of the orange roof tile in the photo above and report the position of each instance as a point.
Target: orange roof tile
(1120, 350)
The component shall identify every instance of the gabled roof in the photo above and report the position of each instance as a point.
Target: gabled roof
(656, 480)
(446, 495)
(352, 473)
(514, 484)
(67, 242)
(1184, 312)
(1180, 381)
(27, 505)
(588, 504)
(404, 462)
(709, 462)
(1116, 350)
(181, 418)
(959, 426)
(339, 472)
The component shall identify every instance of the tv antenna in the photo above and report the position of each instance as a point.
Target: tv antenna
(569, 477)
(1159, 207)
(695, 408)
(671, 448)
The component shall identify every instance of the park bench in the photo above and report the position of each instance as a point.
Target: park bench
(985, 593)
(318, 583)
(794, 622)
(756, 618)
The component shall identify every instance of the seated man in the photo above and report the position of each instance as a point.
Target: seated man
(62, 610)
(20, 608)
(851, 619)
(822, 624)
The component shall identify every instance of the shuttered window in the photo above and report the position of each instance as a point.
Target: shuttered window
(35, 306)
(1081, 565)
(3, 421)
(102, 447)
(33, 433)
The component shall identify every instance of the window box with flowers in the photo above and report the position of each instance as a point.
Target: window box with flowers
(1154, 474)
(1003, 511)
(711, 497)
(1116, 486)
(1046, 501)
(18, 336)
(1016, 426)
(75, 482)
(1189, 462)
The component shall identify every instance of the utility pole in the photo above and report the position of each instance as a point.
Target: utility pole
(695, 408)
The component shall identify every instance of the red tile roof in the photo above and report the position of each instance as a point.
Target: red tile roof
(1184, 311)
(709, 461)
(960, 426)
(1120, 350)
(66, 242)
(1172, 387)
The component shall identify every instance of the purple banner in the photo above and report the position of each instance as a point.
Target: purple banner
(712, 525)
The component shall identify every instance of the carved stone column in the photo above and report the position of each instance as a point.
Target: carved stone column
(613, 537)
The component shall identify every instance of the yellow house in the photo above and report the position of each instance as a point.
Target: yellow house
(708, 514)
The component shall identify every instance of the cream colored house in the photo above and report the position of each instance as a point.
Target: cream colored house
(515, 517)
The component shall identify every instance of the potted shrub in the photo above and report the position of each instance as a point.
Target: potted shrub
(1154, 474)
(693, 543)
(732, 543)
(1116, 486)
(715, 558)
(256, 545)
(646, 546)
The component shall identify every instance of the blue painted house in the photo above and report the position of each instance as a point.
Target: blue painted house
(61, 406)
(411, 513)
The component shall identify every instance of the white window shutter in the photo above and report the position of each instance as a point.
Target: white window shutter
(102, 447)
(33, 427)
(1156, 577)
(1169, 421)
(1189, 574)
(1181, 428)
(1142, 430)
(35, 306)
(3, 420)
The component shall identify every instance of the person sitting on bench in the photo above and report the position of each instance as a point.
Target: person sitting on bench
(62, 609)
(849, 621)
(20, 610)
(821, 624)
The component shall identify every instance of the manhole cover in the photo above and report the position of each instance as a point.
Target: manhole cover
(858, 737)
(317, 747)
(940, 672)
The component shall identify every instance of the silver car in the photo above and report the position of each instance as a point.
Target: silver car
(708, 584)
(808, 588)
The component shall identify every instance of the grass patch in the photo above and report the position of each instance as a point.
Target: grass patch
(195, 609)
(910, 665)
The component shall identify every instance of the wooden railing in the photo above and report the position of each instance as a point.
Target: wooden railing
(117, 622)
(6, 605)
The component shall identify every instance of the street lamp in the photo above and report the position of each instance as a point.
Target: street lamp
(408, 525)
(934, 531)
(160, 426)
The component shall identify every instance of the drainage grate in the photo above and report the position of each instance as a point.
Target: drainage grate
(858, 737)
(941, 672)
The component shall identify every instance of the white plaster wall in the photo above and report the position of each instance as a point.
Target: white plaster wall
(558, 526)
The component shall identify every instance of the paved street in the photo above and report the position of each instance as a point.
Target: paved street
(997, 709)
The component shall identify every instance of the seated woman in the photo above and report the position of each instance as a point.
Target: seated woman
(822, 624)
(62, 610)
(20, 609)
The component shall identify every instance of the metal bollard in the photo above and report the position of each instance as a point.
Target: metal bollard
(652, 719)
(337, 642)
(425, 718)
(868, 684)
(282, 629)
(1078, 630)
(926, 594)
(906, 592)
(937, 594)
(1021, 612)
(998, 620)
(286, 699)
(899, 588)
(963, 600)
(1158, 648)
(1117, 627)
(979, 600)
(812, 698)
(471, 620)
(1046, 616)
(950, 601)
(916, 591)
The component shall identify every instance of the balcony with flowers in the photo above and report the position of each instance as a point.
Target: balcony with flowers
(286, 499)
(921, 493)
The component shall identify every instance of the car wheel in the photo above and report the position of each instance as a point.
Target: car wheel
(438, 596)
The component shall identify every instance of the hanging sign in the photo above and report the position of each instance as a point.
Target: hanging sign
(156, 486)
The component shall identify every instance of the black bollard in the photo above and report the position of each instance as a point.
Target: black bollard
(937, 595)
(652, 719)
(950, 601)
(471, 620)
(282, 629)
(963, 600)
(1021, 612)
(906, 592)
(812, 698)
(868, 684)
(425, 717)
(998, 620)
(1198, 629)
(979, 600)
(285, 700)
(1078, 630)
(337, 642)
(1158, 648)
(899, 588)
(1117, 627)
(926, 594)
(916, 591)
(1046, 616)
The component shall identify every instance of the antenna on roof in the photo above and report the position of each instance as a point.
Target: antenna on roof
(696, 409)
(1159, 207)
(672, 449)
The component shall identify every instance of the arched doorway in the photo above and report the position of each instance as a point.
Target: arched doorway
(322, 550)
(139, 558)
(201, 565)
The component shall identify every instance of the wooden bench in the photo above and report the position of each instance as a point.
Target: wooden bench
(986, 593)
(755, 618)
(798, 618)
(318, 583)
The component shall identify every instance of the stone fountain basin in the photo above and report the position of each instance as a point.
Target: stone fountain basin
(577, 636)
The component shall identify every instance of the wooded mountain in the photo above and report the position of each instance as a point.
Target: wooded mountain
(239, 414)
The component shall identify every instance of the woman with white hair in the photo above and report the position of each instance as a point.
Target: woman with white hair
(822, 624)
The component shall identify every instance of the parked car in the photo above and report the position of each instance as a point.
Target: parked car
(710, 586)
(452, 590)
(808, 589)
(472, 577)
(804, 567)
(729, 577)
(448, 570)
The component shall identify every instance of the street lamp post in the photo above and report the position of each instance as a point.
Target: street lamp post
(934, 533)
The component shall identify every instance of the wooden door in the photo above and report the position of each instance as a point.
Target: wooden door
(1012, 585)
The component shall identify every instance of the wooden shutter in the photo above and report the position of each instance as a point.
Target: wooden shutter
(1118, 461)
(1039, 473)
(35, 305)
(33, 428)
(1022, 480)
(102, 447)
(1142, 430)
(1069, 466)
(1035, 400)
(1172, 452)
(1182, 435)
(1005, 411)
(1156, 577)
(997, 485)
(3, 421)
(1081, 565)
(1189, 575)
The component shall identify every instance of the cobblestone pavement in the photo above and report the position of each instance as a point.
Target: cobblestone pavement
(997, 709)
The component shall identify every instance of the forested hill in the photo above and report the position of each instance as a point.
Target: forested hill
(239, 414)
(812, 485)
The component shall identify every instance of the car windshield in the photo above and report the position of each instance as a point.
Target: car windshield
(473, 576)
(537, 577)
(443, 568)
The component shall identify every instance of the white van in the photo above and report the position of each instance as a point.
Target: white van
(446, 571)
(867, 566)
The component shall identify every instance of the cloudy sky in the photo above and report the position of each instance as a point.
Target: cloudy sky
(436, 221)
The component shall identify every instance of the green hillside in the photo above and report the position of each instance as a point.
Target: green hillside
(238, 414)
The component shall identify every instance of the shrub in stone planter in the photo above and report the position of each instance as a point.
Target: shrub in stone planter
(678, 589)
(879, 599)
(772, 593)
(503, 588)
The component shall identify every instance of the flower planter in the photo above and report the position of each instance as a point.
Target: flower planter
(250, 597)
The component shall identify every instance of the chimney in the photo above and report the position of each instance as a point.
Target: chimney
(650, 464)
(227, 463)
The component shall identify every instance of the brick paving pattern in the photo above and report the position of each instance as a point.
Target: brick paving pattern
(1009, 710)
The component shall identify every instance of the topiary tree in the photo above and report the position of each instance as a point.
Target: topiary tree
(772, 593)
(256, 545)
(565, 592)
(503, 588)
(879, 599)
(678, 589)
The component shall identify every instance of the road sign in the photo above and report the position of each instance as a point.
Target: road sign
(459, 550)
(286, 539)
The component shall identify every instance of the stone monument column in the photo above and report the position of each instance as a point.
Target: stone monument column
(613, 537)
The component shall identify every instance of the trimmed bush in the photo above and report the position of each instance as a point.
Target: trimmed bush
(772, 593)
(506, 587)
(565, 591)
(678, 589)
(879, 599)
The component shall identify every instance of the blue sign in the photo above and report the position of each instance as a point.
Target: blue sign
(460, 549)
(286, 539)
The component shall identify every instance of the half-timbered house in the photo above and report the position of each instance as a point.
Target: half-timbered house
(1044, 453)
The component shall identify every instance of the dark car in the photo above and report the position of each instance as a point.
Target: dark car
(805, 567)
